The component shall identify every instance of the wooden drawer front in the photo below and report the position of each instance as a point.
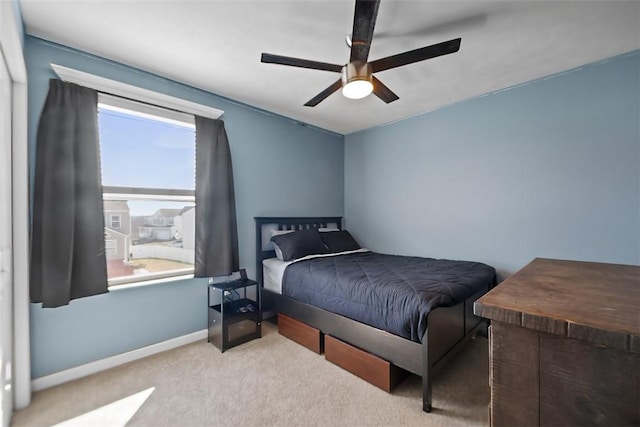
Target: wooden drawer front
(367, 366)
(301, 333)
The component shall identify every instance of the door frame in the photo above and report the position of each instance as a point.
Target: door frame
(11, 34)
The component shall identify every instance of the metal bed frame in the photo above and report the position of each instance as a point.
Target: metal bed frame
(449, 329)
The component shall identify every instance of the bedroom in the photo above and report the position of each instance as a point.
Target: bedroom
(547, 168)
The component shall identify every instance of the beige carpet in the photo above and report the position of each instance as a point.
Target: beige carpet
(270, 381)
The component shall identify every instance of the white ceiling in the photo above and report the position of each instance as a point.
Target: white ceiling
(216, 45)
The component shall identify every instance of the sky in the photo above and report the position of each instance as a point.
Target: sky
(140, 152)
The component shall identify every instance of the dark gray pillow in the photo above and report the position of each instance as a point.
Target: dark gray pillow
(300, 243)
(339, 241)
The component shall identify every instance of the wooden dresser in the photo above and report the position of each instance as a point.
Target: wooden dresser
(565, 345)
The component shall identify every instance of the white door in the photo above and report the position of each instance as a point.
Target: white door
(6, 260)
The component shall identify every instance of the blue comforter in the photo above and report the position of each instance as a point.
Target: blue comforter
(389, 292)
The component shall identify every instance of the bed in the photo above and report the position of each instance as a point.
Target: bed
(420, 343)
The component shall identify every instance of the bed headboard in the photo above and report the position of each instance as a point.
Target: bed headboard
(264, 224)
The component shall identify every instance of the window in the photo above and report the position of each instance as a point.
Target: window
(148, 169)
(115, 221)
(144, 197)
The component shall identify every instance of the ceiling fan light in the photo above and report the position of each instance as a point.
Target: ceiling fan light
(357, 89)
(356, 80)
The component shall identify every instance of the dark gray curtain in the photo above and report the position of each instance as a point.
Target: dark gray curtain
(67, 236)
(216, 245)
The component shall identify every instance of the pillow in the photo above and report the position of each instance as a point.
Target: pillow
(279, 232)
(339, 241)
(276, 247)
(299, 243)
(278, 251)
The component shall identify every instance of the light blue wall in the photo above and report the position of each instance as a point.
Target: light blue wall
(547, 169)
(280, 168)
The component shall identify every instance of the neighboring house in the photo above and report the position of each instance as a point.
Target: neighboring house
(159, 225)
(162, 218)
(136, 223)
(173, 242)
(188, 222)
(184, 227)
(148, 234)
(117, 216)
(176, 229)
(116, 245)
(117, 230)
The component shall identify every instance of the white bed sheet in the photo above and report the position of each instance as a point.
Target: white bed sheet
(273, 269)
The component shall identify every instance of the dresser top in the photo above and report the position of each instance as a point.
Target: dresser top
(585, 300)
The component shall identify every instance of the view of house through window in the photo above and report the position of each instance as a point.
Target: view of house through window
(148, 177)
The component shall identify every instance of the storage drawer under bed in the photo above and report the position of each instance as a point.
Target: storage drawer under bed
(301, 333)
(367, 366)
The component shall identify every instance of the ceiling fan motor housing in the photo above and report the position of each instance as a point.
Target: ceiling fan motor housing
(356, 70)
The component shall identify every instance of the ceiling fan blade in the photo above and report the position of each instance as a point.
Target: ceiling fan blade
(416, 55)
(298, 62)
(383, 92)
(324, 94)
(364, 21)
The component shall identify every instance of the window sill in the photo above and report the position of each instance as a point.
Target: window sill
(150, 282)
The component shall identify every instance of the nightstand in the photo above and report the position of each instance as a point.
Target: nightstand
(234, 312)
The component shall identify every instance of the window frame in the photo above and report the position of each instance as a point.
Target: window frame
(132, 93)
(121, 193)
(111, 220)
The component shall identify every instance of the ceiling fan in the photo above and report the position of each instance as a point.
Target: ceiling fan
(357, 79)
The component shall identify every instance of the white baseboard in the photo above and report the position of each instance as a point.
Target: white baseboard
(119, 359)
